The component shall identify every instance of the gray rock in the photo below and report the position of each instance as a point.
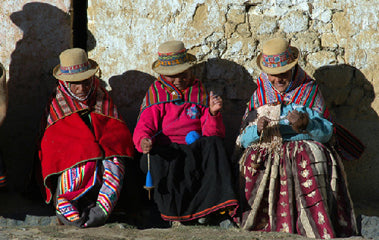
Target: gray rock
(370, 227)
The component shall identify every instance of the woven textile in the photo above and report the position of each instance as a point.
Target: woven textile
(63, 104)
(299, 189)
(162, 91)
(111, 184)
(3, 175)
(303, 90)
(3, 181)
(68, 141)
(75, 183)
(172, 59)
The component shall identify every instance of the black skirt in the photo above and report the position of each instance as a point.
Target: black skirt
(191, 181)
(3, 176)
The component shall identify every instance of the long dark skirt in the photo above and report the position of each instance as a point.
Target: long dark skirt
(191, 181)
(300, 189)
(3, 176)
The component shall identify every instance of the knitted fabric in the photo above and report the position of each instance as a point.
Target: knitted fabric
(162, 91)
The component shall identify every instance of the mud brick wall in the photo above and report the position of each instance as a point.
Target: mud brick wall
(338, 40)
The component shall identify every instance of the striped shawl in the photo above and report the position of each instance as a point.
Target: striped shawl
(303, 90)
(63, 105)
(162, 91)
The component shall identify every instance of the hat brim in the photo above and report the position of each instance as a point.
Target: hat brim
(278, 70)
(76, 77)
(176, 69)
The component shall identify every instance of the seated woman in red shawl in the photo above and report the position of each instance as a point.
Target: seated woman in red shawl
(181, 128)
(292, 176)
(83, 145)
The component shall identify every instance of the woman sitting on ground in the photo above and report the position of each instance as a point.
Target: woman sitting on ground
(83, 146)
(292, 179)
(180, 127)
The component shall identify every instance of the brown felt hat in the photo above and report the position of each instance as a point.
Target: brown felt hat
(75, 66)
(277, 56)
(173, 58)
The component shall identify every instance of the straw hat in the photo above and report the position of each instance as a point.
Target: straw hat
(277, 56)
(173, 58)
(75, 66)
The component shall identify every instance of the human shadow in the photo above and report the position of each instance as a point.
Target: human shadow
(349, 97)
(46, 33)
(128, 91)
(235, 85)
(225, 78)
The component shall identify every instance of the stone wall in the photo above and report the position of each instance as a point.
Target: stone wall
(32, 34)
(338, 40)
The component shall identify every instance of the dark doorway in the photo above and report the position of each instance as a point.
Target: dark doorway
(79, 23)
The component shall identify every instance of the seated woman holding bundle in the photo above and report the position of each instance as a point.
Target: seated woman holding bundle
(83, 146)
(292, 178)
(180, 128)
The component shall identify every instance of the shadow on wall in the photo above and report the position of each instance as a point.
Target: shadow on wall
(235, 85)
(347, 92)
(349, 96)
(46, 32)
(128, 91)
(226, 78)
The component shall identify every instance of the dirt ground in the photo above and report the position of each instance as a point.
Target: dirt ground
(23, 219)
(26, 216)
(124, 231)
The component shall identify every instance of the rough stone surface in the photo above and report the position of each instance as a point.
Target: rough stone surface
(32, 36)
(338, 41)
(294, 22)
(370, 227)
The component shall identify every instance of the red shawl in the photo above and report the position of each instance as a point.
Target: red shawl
(68, 141)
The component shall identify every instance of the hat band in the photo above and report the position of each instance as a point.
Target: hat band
(76, 68)
(172, 59)
(280, 60)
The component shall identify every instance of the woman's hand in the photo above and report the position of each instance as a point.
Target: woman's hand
(215, 104)
(262, 123)
(146, 145)
(298, 120)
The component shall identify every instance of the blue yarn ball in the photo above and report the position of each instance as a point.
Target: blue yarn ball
(192, 137)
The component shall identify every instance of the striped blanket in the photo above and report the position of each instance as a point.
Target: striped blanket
(64, 105)
(302, 90)
(162, 91)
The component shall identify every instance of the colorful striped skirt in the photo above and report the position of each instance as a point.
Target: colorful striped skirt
(87, 186)
(300, 188)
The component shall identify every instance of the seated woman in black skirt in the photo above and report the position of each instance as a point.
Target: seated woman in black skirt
(180, 127)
